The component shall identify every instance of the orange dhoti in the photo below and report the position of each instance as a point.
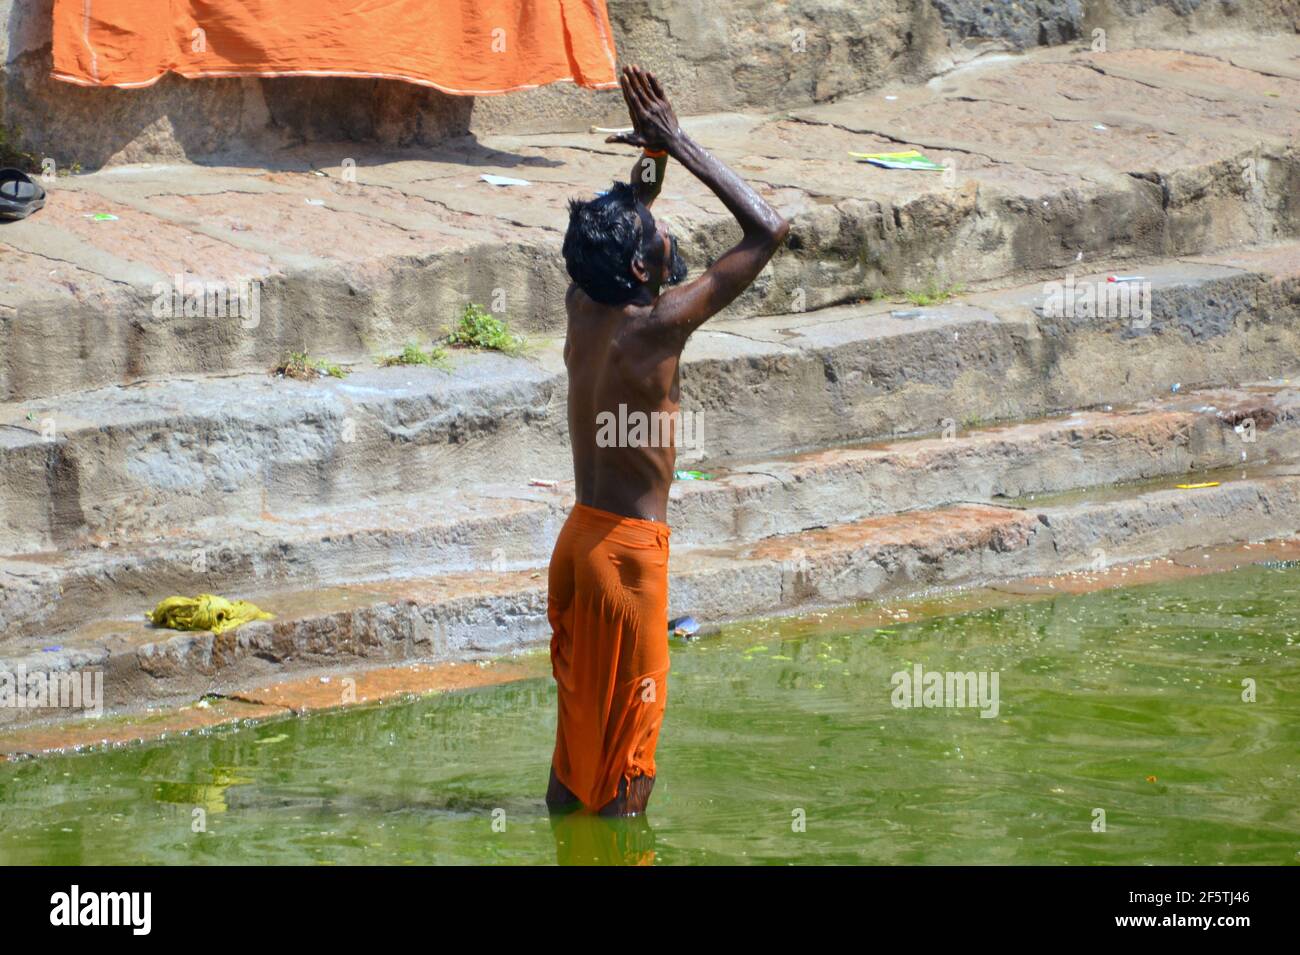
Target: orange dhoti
(608, 608)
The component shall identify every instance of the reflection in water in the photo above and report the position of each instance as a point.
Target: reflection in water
(210, 796)
(583, 838)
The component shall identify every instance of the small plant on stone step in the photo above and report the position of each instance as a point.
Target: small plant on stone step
(479, 328)
(303, 367)
(933, 294)
(412, 354)
(11, 155)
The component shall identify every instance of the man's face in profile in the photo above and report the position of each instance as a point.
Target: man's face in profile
(661, 254)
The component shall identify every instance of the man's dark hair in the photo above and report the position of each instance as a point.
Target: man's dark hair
(604, 235)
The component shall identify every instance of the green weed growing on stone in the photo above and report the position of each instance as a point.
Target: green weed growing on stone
(303, 367)
(933, 294)
(412, 354)
(479, 328)
(11, 155)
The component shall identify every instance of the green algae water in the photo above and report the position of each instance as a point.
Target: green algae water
(1121, 736)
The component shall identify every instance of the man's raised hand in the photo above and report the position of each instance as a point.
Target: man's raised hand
(654, 124)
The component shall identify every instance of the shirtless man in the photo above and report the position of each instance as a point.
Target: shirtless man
(629, 319)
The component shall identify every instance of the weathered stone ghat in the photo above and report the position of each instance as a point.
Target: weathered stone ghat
(460, 616)
(851, 249)
(1057, 159)
(504, 528)
(130, 462)
(936, 384)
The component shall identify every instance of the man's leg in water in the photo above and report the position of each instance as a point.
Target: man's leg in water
(558, 797)
(631, 799)
(560, 800)
(559, 602)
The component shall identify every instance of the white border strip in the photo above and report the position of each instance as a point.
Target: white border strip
(79, 81)
(94, 57)
(604, 39)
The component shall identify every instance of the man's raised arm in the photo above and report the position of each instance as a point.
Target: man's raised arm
(762, 227)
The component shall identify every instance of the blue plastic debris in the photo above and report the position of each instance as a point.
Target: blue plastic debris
(686, 627)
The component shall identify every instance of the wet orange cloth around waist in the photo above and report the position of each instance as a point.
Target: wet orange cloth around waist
(608, 608)
(469, 47)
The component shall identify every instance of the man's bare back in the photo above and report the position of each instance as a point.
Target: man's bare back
(629, 319)
(623, 359)
(621, 370)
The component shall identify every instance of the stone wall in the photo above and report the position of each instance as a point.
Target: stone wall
(713, 55)
(1026, 24)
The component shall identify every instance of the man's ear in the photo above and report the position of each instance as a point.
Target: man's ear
(638, 269)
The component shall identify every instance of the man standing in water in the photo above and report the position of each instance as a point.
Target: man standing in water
(608, 586)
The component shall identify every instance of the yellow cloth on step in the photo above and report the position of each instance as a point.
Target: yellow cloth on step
(205, 612)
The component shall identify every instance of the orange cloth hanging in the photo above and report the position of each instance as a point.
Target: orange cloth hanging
(467, 47)
(608, 608)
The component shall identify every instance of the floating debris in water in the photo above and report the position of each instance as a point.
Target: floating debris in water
(685, 627)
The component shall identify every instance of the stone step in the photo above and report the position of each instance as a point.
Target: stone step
(469, 616)
(160, 457)
(1058, 157)
(501, 527)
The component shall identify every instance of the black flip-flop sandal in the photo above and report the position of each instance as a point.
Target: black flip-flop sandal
(20, 194)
